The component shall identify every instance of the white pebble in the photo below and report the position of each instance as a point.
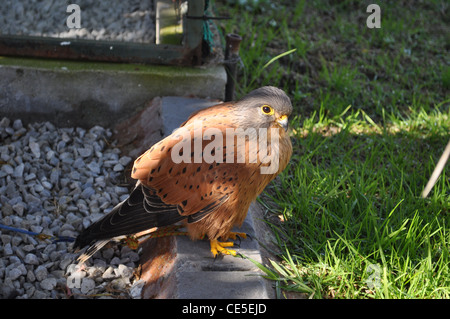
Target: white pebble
(124, 271)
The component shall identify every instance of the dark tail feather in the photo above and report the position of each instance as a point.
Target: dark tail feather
(142, 210)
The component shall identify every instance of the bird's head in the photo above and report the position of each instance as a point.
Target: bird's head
(265, 107)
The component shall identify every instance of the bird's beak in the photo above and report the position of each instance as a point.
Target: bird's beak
(283, 122)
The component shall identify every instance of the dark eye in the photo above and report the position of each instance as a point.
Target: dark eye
(267, 109)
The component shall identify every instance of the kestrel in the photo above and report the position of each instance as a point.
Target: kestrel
(205, 174)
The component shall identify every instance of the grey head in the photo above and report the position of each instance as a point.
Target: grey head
(263, 107)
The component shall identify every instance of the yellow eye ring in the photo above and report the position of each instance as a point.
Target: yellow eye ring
(267, 109)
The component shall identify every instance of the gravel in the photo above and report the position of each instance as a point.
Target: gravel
(57, 181)
(131, 21)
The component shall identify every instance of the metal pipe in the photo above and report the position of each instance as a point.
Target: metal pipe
(232, 43)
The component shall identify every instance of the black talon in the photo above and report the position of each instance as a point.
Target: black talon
(240, 240)
(219, 256)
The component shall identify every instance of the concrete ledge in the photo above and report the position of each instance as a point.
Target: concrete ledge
(177, 267)
(87, 93)
(227, 277)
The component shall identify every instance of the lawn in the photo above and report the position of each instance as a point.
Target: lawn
(370, 121)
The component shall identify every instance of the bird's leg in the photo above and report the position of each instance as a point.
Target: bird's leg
(134, 241)
(168, 231)
(218, 247)
(236, 235)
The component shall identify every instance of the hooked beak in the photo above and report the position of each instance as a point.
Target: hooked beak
(283, 122)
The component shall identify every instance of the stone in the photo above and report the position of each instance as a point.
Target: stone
(108, 253)
(85, 151)
(31, 259)
(118, 167)
(136, 289)
(31, 276)
(41, 273)
(35, 149)
(14, 274)
(124, 271)
(125, 160)
(7, 249)
(87, 285)
(17, 124)
(94, 167)
(8, 169)
(109, 273)
(48, 283)
(18, 171)
(19, 208)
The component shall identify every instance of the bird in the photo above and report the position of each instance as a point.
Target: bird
(204, 176)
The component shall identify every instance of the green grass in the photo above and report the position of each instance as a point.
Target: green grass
(371, 119)
(351, 200)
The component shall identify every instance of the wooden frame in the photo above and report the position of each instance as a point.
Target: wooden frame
(189, 53)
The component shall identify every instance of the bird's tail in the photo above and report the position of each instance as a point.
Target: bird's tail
(91, 251)
(141, 211)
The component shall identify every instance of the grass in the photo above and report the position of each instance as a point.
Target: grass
(371, 119)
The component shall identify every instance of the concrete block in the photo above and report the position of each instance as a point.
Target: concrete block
(175, 110)
(177, 267)
(87, 93)
(201, 276)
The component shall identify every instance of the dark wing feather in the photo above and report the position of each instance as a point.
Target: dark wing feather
(142, 210)
(206, 210)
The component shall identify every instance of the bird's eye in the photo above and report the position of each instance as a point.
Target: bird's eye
(266, 109)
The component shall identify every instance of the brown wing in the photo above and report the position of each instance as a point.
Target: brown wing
(188, 184)
(167, 192)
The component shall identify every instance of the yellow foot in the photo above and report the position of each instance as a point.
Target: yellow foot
(218, 247)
